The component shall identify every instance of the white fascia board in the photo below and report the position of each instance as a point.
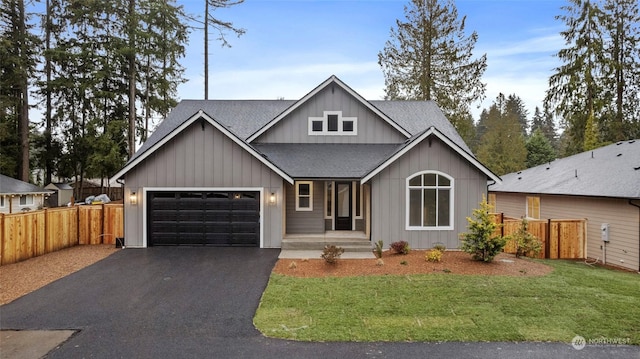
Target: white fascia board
(332, 79)
(184, 125)
(445, 139)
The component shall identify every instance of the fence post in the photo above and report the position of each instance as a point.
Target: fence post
(547, 242)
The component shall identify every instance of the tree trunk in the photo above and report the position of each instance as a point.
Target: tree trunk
(47, 68)
(132, 80)
(23, 118)
(206, 49)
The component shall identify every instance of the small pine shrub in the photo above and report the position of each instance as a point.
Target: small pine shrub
(331, 253)
(400, 247)
(293, 265)
(378, 249)
(526, 243)
(441, 247)
(434, 255)
(404, 263)
(482, 241)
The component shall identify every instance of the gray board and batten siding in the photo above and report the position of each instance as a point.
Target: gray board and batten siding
(388, 195)
(305, 222)
(201, 157)
(294, 127)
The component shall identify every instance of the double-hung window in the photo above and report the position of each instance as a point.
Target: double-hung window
(430, 201)
(304, 196)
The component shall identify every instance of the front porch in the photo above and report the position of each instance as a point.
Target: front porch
(355, 243)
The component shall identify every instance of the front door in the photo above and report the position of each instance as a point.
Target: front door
(343, 206)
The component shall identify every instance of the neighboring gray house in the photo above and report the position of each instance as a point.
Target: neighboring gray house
(18, 196)
(244, 172)
(602, 186)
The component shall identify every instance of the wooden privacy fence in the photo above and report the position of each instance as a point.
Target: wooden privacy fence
(561, 238)
(31, 234)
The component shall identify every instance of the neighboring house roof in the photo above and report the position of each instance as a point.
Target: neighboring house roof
(10, 185)
(335, 161)
(610, 171)
(246, 120)
(58, 186)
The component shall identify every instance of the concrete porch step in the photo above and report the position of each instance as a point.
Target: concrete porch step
(350, 241)
(349, 246)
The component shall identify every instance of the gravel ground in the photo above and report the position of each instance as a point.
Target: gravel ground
(24, 277)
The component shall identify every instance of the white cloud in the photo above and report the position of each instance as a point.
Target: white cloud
(290, 82)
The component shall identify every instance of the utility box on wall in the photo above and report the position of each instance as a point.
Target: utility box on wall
(604, 231)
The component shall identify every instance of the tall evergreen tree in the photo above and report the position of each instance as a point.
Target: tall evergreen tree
(112, 64)
(576, 88)
(543, 121)
(539, 149)
(622, 70)
(429, 57)
(515, 106)
(502, 147)
(599, 80)
(18, 48)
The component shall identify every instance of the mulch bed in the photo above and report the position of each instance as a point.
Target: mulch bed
(454, 262)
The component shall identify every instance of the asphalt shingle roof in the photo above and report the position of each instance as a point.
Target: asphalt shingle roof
(10, 185)
(610, 171)
(326, 161)
(248, 118)
(245, 117)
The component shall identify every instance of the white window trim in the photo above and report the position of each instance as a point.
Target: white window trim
(451, 200)
(303, 209)
(526, 208)
(326, 132)
(355, 199)
(27, 204)
(326, 197)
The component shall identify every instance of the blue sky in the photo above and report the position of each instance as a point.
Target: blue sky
(291, 46)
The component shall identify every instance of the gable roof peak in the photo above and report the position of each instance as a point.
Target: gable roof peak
(333, 79)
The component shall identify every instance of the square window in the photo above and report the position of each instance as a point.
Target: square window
(26, 200)
(316, 126)
(332, 123)
(347, 126)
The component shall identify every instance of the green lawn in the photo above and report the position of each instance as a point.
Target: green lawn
(574, 299)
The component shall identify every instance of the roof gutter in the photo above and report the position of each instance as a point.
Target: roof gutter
(638, 206)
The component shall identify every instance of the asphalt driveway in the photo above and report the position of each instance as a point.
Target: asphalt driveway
(186, 302)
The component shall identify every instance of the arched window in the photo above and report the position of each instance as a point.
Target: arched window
(429, 201)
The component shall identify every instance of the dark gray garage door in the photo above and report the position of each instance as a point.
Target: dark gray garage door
(203, 218)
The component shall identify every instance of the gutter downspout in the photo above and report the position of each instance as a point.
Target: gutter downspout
(638, 206)
(487, 198)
